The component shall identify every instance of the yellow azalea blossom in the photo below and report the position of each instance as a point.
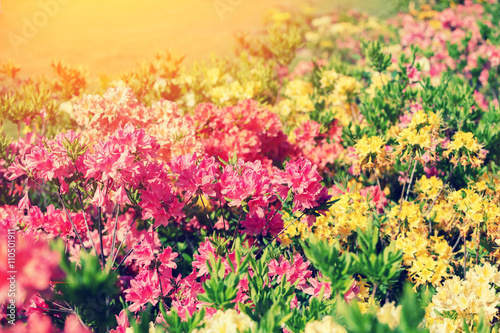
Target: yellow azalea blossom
(299, 92)
(420, 137)
(466, 150)
(370, 154)
(409, 214)
(378, 81)
(364, 290)
(279, 16)
(475, 211)
(464, 140)
(479, 186)
(389, 314)
(350, 212)
(367, 305)
(212, 75)
(203, 203)
(325, 325)
(234, 91)
(427, 258)
(347, 87)
(444, 215)
(466, 298)
(328, 78)
(228, 321)
(428, 188)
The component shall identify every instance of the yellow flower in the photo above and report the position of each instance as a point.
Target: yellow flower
(326, 325)
(370, 154)
(212, 75)
(466, 298)
(410, 214)
(428, 188)
(328, 78)
(229, 321)
(299, 92)
(347, 87)
(419, 137)
(350, 212)
(279, 16)
(204, 203)
(389, 314)
(466, 150)
(378, 81)
(464, 140)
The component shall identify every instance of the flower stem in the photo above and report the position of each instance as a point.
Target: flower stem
(71, 220)
(85, 219)
(404, 186)
(411, 179)
(123, 240)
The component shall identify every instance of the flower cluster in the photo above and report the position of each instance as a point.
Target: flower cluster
(465, 299)
(420, 137)
(103, 115)
(369, 154)
(245, 129)
(465, 149)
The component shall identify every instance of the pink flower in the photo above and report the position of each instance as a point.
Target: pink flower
(139, 144)
(196, 177)
(187, 303)
(304, 67)
(306, 133)
(483, 77)
(159, 202)
(167, 259)
(247, 182)
(24, 203)
(320, 148)
(254, 225)
(36, 266)
(109, 161)
(413, 74)
(246, 129)
(74, 325)
(48, 160)
(480, 100)
(351, 293)
(405, 120)
(144, 251)
(296, 271)
(200, 260)
(118, 108)
(37, 322)
(221, 224)
(429, 172)
(100, 198)
(316, 287)
(140, 293)
(121, 197)
(377, 196)
(122, 321)
(55, 222)
(304, 181)
(16, 170)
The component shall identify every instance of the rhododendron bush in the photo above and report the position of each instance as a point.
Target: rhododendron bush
(339, 174)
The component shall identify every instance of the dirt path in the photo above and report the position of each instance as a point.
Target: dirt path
(110, 36)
